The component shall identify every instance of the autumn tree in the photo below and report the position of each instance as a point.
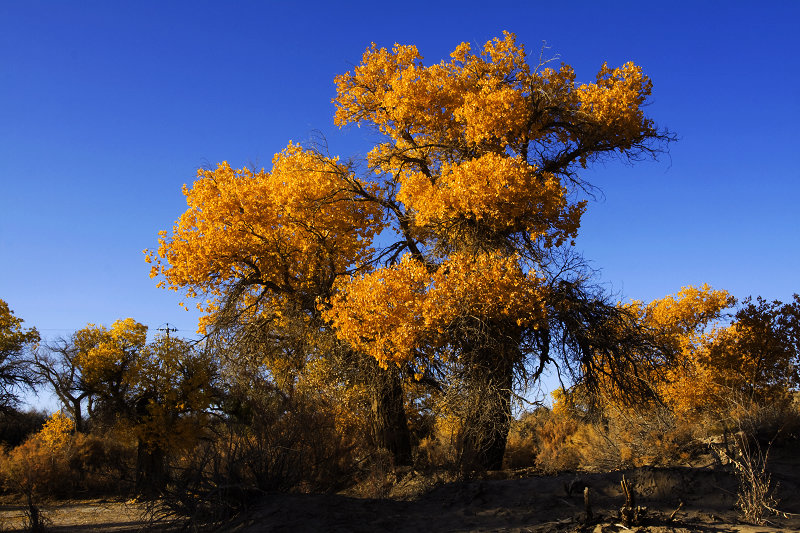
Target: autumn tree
(160, 391)
(15, 343)
(479, 165)
(709, 355)
(753, 359)
(474, 187)
(266, 248)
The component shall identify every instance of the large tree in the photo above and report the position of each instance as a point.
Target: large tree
(472, 187)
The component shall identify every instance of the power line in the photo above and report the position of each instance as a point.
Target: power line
(167, 329)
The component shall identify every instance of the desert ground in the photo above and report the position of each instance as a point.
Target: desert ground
(499, 501)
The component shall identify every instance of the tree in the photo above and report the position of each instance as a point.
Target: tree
(710, 352)
(479, 163)
(160, 390)
(473, 187)
(15, 342)
(56, 366)
(267, 247)
(753, 359)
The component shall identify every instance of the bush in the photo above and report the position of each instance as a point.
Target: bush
(277, 445)
(563, 440)
(544, 439)
(102, 464)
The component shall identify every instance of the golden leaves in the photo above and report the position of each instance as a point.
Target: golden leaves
(394, 311)
(103, 353)
(56, 432)
(478, 152)
(615, 102)
(13, 338)
(499, 192)
(292, 230)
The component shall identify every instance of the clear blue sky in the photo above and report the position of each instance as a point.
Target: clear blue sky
(108, 108)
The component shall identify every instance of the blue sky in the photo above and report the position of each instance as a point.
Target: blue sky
(108, 108)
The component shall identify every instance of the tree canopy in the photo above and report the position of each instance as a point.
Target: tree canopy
(474, 183)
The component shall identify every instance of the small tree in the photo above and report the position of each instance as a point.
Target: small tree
(15, 342)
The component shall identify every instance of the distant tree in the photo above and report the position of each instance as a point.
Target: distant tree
(15, 343)
(160, 390)
(17, 425)
(702, 354)
(473, 186)
(56, 366)
(671, 330)
(755, 358)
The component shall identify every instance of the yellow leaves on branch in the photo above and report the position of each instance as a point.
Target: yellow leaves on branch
(499, 192)
(686, 316)
(56, 433)
(394, 311)
(13, 338)
(103, 353)
(292, 230)
(615, 102)
(380, 313)
(492, 100)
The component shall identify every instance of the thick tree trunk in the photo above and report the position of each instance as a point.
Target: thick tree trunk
(390, 422)
(489, 373)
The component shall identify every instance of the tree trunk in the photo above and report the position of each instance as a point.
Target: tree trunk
(390, 422)
(77, 415)
(150, 470)
(489, 373)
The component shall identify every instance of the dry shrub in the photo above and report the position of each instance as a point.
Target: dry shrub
(377, 477)
(439, 450)
(750, 426)
(102, 464)
(562, 439)
(756, 495)
(649, 436)
(281, 445)
(549, 440)
(299, 447)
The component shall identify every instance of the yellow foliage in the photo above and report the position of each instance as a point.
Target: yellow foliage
(39, 466)
(289, 231)
(709, 365)
(12, 337)
(56, 432)
(393, 311)
(104, 355)
(505, 194)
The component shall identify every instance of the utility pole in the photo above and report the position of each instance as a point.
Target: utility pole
(167, 330)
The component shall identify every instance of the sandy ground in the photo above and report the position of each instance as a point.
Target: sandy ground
(79, 515)
(525, 504)
(534, 504)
